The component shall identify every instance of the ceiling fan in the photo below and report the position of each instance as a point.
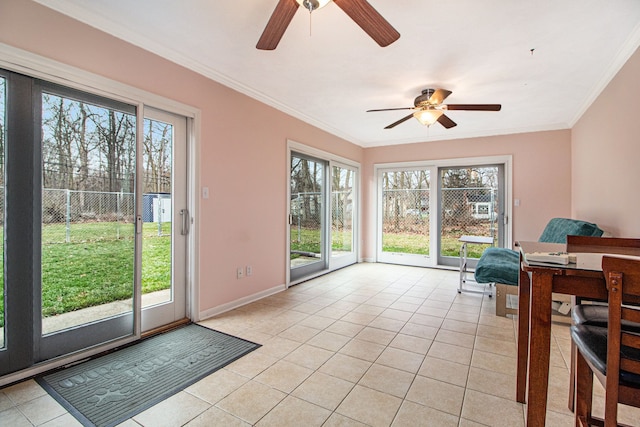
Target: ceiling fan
(429, 108)
(359, 10)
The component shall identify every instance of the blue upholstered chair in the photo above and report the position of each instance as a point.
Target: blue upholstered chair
(501, 266)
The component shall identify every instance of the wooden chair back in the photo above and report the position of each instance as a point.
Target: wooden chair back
(623, 285)
(604, 245)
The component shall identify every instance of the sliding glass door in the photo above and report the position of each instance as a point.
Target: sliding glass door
(165, 219)
(344, 193)
(85, 266)
(404, 220)
(3, 121)
(424, 210)
(323, 213)
(307, 219)
(87, 236)
(471, 202)
(19, 221)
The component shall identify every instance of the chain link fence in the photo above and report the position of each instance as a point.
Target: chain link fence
(342, 221)
(306, 227)
(72, 216)
(470, 211)
(66, 214)
(467, 210)
(405, 211)
(306, 215)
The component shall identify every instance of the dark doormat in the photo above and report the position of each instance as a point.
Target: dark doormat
(112, 388)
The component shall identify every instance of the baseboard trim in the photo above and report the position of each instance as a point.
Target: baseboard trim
(240, 302)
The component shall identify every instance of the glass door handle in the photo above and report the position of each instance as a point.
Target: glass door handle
(185, 221)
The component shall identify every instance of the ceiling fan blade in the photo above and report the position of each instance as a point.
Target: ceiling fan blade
(277, 25)
(473, 107)
(439, 96)
(391, 109)
(369, 20)
(446, 122)
(402, 120)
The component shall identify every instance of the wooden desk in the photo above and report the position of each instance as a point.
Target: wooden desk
(536, 283)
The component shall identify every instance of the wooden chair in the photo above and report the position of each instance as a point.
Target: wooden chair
(611, 353)
(588, 313)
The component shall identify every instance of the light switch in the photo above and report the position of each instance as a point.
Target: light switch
(205, 192)
(516, 202)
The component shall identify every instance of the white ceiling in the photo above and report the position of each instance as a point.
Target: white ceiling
(478, 49)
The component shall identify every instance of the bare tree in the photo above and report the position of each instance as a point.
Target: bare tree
(157, 156)
(116, 134)
(57, 143)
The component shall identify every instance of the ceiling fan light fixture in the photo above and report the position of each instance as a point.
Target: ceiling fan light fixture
(312, 5)
(427, 117)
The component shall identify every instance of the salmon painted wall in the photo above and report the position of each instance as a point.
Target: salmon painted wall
(243, 162)
(606, 155)
(541, 175)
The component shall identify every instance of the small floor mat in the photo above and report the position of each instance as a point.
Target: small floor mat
(112, 388)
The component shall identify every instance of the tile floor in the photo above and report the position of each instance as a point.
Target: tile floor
(371, 344)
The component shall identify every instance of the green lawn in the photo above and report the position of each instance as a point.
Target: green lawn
(419, 245)
(308, 240)
(405, 243)
(96, 267)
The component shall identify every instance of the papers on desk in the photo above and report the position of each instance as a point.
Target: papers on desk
(562, 258)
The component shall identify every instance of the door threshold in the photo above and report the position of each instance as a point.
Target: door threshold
(165, 328)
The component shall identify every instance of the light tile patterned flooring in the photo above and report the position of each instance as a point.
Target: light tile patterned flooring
(371, 344)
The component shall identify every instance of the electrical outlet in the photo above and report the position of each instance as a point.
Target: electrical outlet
(240, 271)
(249, 270)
